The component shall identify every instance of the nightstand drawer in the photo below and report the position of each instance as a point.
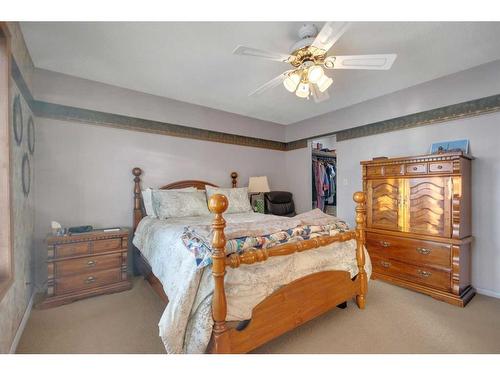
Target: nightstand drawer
(72, 249)
(87, 280)
(87, 264)
(101, 246)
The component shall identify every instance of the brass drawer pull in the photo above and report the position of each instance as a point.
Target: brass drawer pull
(90, 280)
(424, 273)
(385, 243)
(385, 264)
(91, 263)
(423, 250)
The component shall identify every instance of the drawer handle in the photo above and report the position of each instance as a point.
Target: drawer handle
(90, 280)
(385, 243)
(91, 263)
(423, 250)
(440, 167)
(385, 264)
(424, 273)
(415, 168)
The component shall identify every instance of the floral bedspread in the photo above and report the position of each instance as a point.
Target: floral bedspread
(186, 324)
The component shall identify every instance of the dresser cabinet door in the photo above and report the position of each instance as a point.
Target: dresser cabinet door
(428, 206)
(383, 204)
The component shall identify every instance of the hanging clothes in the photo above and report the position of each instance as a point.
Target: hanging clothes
(323, 182)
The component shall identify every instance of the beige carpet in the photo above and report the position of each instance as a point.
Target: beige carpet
(396, 320)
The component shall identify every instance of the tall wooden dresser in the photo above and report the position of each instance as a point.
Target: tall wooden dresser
(419, 223)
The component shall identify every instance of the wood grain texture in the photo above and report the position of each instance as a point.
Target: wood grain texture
(84, 265)
(429, 249)
(298, 302)
(139, 211)
(384, 203)
(289, 307)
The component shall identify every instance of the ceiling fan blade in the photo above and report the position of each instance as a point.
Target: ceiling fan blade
(317, 95)
(270, 84)
(329, 34)
(374, 62)
(249, 51)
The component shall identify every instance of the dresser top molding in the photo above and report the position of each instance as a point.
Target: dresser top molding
(420, 158)
(88, 236)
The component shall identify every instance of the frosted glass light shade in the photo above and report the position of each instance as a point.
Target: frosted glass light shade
(258, 185)
(291, 81)
(315, 73)
(324, 83)
(302, 90)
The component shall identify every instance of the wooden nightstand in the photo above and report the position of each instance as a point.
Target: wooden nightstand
(85, 265)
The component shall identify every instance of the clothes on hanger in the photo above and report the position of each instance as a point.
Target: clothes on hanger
(323, 181)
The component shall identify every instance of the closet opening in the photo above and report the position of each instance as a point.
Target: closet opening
(324, 175)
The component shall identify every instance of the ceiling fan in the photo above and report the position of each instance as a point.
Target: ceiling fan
(308, 58)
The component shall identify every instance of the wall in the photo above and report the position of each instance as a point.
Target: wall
(67, 90)
(474, 83)
(13, 305)
(298, 177)
(85, 170)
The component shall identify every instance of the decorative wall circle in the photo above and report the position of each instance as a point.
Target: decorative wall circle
(26, 174)
(31, 135)
(17, 115)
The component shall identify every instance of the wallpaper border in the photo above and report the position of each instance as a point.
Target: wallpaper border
(466, 109)
(451, 112)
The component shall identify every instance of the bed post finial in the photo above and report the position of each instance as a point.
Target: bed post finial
(218, 204)
(234, 179)
(137, 197)
(360, 199)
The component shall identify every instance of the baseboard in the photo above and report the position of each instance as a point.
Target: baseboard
(488, 293)
(22, 325)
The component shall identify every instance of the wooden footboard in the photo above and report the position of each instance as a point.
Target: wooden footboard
(291, 305)
(295, 303)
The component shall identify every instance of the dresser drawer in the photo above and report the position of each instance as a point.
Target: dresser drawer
(101, 246)
(419, 274)
(420, 168)
(441, 167)
(87, 264)
(393, 170)
(409, 250)
(87, 280)
(71, 249)
(374, 171)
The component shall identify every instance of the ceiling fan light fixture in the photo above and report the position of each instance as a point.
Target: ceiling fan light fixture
(329, 62)
(302, 90)
(324, 83)
(291, 81)
(315, 73)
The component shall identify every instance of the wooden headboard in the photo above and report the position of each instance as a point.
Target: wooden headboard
(139, 211)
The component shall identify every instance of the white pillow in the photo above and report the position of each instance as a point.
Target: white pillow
(171, 203)
(147, 199)
(237, 197)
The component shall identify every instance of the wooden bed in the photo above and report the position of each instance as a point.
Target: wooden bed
(290, 306)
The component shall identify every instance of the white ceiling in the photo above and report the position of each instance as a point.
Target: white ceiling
(193, 61)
